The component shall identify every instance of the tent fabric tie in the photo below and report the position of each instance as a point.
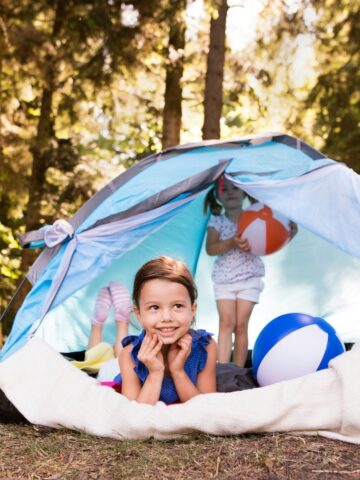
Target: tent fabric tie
(58, 232)
(50, 235)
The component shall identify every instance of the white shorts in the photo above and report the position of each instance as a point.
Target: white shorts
(248, 289)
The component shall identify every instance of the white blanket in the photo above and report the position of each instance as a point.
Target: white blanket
(49, 391)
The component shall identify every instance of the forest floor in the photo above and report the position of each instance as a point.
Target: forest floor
(30, 452)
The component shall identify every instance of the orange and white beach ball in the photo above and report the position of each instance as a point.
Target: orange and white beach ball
(265, 230)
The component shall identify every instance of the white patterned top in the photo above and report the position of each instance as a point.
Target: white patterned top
(233, 265)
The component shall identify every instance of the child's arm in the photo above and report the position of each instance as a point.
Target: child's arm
(206, 382)
(131, 387)
(215, 246)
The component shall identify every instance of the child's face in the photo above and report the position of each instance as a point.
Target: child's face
(231, 197)
(165, 309)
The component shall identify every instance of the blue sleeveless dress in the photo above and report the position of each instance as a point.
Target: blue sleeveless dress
(194, 364)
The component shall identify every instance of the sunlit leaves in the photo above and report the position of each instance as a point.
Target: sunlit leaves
(9, 262)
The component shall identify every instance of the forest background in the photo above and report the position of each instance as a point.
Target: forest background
(89, 87)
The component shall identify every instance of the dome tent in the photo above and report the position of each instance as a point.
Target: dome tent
(156, 208)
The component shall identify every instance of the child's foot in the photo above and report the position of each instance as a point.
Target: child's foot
(122, 301)
(102, 306)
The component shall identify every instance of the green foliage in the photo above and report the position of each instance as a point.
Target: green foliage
(84, 50)
(10, 257)
(305, 73)
(336, 94)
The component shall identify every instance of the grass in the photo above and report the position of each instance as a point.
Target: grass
(31, 452)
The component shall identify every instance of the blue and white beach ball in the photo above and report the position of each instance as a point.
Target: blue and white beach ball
(293, 345)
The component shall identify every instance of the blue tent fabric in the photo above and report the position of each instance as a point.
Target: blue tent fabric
(155, 208)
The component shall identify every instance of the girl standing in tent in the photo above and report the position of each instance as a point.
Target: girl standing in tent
(237, 273)
(168, 361)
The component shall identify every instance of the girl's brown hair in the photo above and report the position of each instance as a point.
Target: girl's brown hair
(164, 268)
(211, 202)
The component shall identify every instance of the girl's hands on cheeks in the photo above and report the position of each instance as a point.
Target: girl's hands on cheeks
(178, 353)
(241, 243)
(150, 353)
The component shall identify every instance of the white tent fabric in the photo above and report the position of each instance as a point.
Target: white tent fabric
(324, 202)
(49, 391)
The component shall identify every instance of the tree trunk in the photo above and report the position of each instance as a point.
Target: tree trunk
(2, 50)
(174, 71)
(41, 151)
(42, 147)
(215, 74)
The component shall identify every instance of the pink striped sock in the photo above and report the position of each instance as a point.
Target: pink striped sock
(102, 306)
(122, 301)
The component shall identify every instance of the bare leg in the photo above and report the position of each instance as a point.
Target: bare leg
(244, 309)
(122, 310)
(95, 336)
(227, 317)
(102, 305)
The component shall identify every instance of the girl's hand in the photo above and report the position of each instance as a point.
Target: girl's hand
(150, 353)
(179, 353)
(241, 243)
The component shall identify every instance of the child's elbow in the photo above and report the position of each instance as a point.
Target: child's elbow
(210, 250)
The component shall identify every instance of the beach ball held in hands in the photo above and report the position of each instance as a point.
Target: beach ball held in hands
(293, 345)
(265, 230)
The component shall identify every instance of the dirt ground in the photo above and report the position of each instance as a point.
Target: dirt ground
(30, 452)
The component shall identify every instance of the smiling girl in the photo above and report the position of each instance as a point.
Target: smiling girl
(168, 361)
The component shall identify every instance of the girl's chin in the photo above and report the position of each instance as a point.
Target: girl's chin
(167, 340)
(170, 340)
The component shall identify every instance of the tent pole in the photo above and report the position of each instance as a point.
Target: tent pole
(12, 299)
